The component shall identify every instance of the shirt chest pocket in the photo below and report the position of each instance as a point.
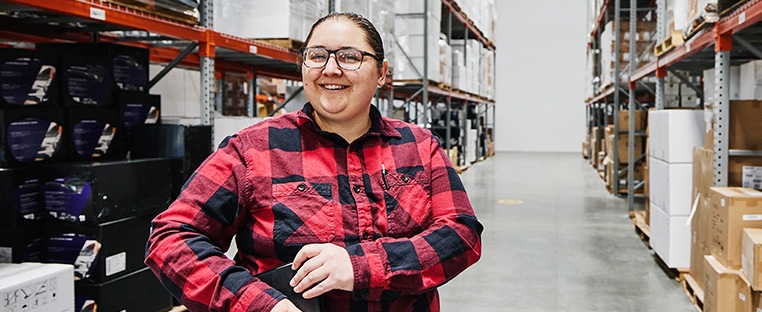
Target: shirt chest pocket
(303, 213)
(408, 205)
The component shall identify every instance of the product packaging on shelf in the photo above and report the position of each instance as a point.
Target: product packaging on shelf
(137, 291)
(37, 287)
(92, 134)
(106, 191)
(186, 146)
(28, 79)
(92, 72)
(31, 136)
(136, 109)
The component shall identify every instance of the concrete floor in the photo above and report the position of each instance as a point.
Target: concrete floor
(556, 240)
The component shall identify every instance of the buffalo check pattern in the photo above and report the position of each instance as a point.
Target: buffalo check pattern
(284, 183)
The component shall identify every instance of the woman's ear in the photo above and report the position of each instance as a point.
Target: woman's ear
(382, 74)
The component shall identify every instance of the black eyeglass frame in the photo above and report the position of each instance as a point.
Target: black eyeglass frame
(333, 52)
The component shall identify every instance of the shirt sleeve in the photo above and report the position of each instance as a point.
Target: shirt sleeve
(388, 267)
(187, 242)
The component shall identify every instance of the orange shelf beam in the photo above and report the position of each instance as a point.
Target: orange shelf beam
(116, 15)
(744, 16)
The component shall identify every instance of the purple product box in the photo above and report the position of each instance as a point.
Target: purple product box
(93, 134)
(31, 136)
(94, 193)
(99, 253)
(28, 79)
(137, 291)
(136, 109)
(93, 72)
(21, 198)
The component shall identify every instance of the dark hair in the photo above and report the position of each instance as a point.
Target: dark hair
(371, 34)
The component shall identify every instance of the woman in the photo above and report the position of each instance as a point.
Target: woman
(368, 209)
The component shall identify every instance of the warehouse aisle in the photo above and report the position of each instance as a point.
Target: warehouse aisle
(555, 240)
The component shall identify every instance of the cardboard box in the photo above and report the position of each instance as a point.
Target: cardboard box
(725, 289)
(745, 131)
(28, 79)
(671, 186)
(751, 256)
(31, 136)
(624, 147)
(670, 237)
(674, 133)
(640, 120)
(37, 287)
(105, 191)
(698, 251)
(138, 291)
(732, 210)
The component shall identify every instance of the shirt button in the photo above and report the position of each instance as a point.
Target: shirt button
(365, 296)
(366, 235)
(356, 188)
(405, 179)
(301, 187)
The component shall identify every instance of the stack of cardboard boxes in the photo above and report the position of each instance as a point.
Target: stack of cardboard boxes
(725, 239)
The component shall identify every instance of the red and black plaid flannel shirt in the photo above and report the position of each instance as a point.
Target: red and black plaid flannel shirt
(284, 183)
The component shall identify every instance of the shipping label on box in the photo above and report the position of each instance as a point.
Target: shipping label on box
(752, 177)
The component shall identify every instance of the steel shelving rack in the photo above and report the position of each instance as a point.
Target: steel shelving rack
(610, 98)
(730, 40)
(455, 25)
(170, 42)
(739, 24)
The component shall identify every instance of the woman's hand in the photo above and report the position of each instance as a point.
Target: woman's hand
(285, 305)
(322, 268)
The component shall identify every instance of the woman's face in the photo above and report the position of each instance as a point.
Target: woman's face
(339, 95)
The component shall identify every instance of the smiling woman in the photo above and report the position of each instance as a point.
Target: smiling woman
(368, 209)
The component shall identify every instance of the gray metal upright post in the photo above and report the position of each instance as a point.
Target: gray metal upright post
(426, 57)
(631, 104)
(721, 115)
(661, 33)
(617, 102)
(251, 108)
(207, 71)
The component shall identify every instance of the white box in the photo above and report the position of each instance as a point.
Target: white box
(417, 6)
(268, 19)
(735, 84)
(674, 133)
(751, 80)
(670, 186)
(36, 287)
(670, 237)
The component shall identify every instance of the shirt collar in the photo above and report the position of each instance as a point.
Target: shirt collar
(378, 124)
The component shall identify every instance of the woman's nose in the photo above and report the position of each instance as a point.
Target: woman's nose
(332, 67)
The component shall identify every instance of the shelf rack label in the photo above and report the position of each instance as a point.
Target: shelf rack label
(742, 18)
(253, 49)
(99, 14)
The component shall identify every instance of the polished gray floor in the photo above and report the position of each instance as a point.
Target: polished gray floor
(555, 240)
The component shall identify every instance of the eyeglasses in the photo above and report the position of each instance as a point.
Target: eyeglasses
(347, 58)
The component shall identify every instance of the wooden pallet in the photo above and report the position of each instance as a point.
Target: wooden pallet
(694, 292)
(642, 229)
(673, 40)
(676, 273)
(288, 43)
